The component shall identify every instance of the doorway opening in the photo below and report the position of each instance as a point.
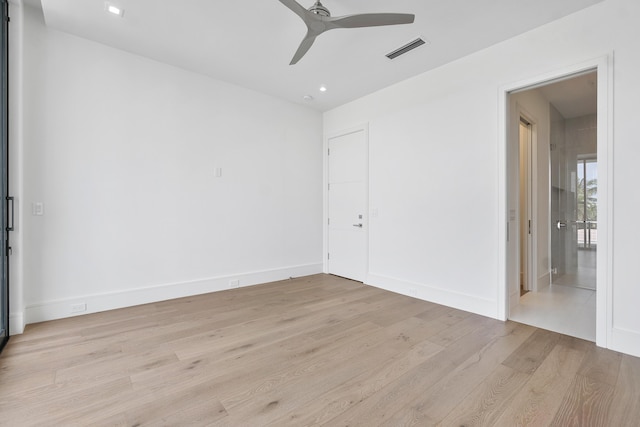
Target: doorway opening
(554, 266)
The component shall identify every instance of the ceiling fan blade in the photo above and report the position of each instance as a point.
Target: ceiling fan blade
(304, 47)
(296, 7)
(370, 20)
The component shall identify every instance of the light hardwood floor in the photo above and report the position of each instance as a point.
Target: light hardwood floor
(317, 350)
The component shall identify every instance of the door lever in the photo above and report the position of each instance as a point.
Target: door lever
(11, 200)
(357, 225)
(561, 224)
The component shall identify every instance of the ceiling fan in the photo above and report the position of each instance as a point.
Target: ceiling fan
(318, 20)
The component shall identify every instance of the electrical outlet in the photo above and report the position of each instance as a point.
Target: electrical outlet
(79, 308)
(234, 283)
(37, 208)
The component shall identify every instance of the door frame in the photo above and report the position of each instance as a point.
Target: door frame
(531, 198)
(363, 127)
(604, 67)
(5, 200)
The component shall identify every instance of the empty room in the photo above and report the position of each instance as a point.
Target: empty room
(338, 213)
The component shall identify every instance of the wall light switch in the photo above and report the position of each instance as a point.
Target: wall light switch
(37, 208)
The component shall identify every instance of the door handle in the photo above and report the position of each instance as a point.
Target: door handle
(561, 224)
(357, 225)
(11, 219)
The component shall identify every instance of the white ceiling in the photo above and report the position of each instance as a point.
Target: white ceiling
(250, 43)
(574, 97)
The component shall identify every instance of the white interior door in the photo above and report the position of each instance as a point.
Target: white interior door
(347, 205)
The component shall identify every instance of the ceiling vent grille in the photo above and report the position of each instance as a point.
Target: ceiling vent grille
(406, 48)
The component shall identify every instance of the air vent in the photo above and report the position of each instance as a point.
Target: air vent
(406, 48)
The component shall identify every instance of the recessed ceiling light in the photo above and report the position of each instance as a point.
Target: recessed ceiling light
(308, 98)
(323, 88)
(113, 9)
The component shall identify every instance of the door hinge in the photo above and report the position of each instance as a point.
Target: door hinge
(328, 151)
(328, 187)
(328, 221)
(529, 226)
(328, 255)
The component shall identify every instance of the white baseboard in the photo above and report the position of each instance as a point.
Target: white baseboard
(58, 309)
(625, 341)
(514, 300)
(543, 281)
(16, 323)
(460, 301)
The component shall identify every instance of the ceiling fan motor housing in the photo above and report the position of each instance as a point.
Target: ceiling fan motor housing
(319, 9)
(318, 20)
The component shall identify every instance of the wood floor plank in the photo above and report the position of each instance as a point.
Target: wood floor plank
(122, 364)
(434, 404)
(261, 407)
(389, 314)
(195, 407)
(533, 352)
(433, 312)
(236, 339)
(487, 401)
(539, 399)
(601, 365)
(255, 366)
(317, 350)
(352, 392)
(46, 405)
(625, 409)
(317, 365)
(14, 383)
(458, 329)
(586, 403)
(382, 405)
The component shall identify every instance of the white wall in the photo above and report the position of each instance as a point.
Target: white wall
(582, 135)
(123, 150)
(435, 159)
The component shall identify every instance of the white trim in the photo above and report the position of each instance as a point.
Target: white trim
(532, 197)
(544, 280)
(363, 127)
(16, 323)
(473, 304)
(604, 295)
(625, 341)
(502, 214)
(61, 308)
(604, 67)
(16, 169)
